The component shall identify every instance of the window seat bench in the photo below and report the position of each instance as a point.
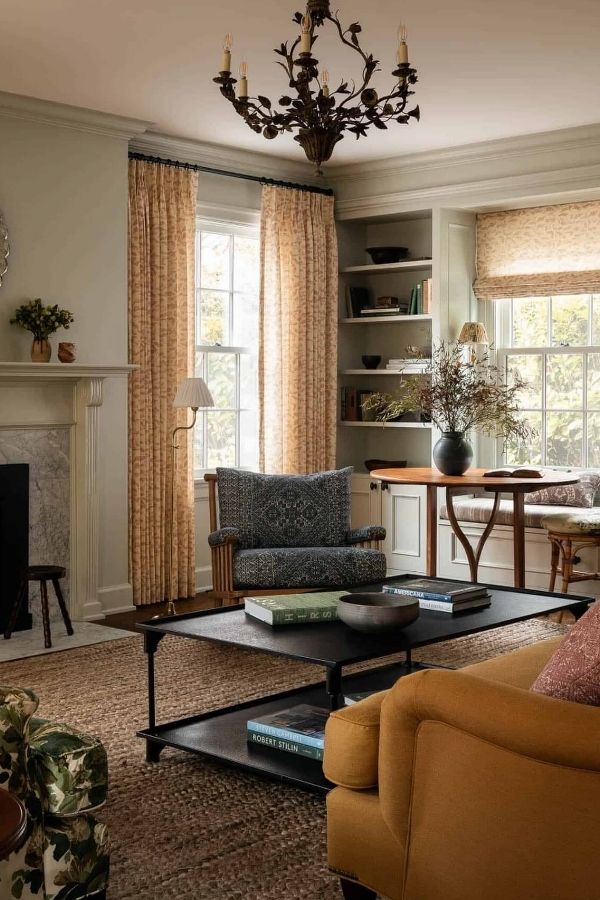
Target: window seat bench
(479, 510)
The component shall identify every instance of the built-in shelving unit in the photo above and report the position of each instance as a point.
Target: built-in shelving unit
(378, 372)
(408, 265)
(383, 425)
(379, 320)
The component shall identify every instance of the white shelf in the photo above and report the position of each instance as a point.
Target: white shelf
(424, 425)
(378, 320)
(378, 372)
(408, 265)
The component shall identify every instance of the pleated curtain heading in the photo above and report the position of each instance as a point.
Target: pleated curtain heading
(538, 252)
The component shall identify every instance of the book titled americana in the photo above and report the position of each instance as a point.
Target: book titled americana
(299, 729)
(436, 589)
(294, 609)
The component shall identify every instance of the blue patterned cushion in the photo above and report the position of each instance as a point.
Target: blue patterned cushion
(307, 567)
(285, 510)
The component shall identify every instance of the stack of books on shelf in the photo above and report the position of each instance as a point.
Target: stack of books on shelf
(351, 407)
(443, 596)
(400, 309)
(410, 366)
(294, 609)
(299, 729)
(420, 298)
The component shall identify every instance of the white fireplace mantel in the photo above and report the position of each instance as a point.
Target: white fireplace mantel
(46, 395)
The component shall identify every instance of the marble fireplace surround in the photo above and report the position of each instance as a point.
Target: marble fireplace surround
(55, 395)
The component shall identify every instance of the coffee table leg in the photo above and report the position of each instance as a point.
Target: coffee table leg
(151, 642)
(333, 682)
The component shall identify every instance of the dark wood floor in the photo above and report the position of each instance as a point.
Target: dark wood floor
(127, 620)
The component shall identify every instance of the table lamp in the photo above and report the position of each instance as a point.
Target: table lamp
(192, 394)
(471, 335)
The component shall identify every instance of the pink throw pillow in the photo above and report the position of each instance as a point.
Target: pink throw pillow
(573, 671)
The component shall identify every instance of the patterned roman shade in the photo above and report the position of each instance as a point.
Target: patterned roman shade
(539, 252)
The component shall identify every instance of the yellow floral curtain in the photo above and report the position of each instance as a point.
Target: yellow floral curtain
(162, 215)
(298, 332)
(539, 252)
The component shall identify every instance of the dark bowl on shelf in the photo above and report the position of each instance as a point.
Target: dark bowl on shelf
(377, 613)
(370, 361)
(382, 255)
(371, 464)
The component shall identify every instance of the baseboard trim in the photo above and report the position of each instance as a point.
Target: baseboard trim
(116, 598)
(203, 579)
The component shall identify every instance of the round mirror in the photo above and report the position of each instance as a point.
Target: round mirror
(4, 248)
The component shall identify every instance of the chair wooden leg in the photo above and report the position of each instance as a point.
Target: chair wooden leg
(567, 565)
(554, 563)
(353, 891)
(45, 613)
(19, 599)
(62, 605)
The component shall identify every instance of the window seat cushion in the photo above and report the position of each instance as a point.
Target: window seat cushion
(479, 509)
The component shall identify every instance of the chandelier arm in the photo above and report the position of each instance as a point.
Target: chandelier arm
(367, 75)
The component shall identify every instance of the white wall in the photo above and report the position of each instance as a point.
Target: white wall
(63, 194)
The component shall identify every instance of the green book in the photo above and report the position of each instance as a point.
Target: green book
(294, 609)
(412, 306)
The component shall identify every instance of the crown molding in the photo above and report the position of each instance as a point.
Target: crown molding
(247, 162)
(558, 186)
(566, 139)
(46, 112)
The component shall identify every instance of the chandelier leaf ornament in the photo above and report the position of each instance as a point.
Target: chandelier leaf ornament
(318, 114)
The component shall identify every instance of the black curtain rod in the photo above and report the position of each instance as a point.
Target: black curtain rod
(311, 189)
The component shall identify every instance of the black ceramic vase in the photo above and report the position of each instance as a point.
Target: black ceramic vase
(453, 453)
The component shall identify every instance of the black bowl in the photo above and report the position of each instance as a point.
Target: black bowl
(370, 362)
(381, 255)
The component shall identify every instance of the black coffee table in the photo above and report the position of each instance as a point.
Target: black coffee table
(221, 733)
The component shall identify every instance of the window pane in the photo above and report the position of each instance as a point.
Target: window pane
(530, 322)
(570, 319)
(593, 385)
(221, 378)
(245, 321)
(530, 368)
(593, 440)
(245, 265)
(564, 438)
(214, 317)
(249, 439)
(248, 381)
(564, 381)
(595, 318)
(220, 439)
(199, 443)
(214, 260)
(518, 454)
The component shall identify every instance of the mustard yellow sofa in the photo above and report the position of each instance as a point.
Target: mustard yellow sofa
(464, 785)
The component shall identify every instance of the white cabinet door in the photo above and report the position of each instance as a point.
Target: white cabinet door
(404, 508)
(366, 501)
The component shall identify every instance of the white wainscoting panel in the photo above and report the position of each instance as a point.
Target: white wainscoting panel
(405, 520)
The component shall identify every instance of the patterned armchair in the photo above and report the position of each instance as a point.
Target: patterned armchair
(60, 775)
(276, 533)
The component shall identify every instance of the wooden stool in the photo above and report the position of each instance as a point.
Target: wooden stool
(565, 549)
(43, 574)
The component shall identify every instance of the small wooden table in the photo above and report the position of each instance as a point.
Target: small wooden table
(476, 480)
(13, 823)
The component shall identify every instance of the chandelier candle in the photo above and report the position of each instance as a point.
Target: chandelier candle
(319, 115)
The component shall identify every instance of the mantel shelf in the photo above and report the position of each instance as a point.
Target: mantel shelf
(50, 371)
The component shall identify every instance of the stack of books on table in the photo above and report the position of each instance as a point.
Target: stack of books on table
(409, 366)
(299, 729)
(294, 609)
(443, 596)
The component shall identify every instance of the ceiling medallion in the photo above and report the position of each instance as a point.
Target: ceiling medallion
(319, 114)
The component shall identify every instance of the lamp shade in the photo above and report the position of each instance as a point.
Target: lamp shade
(194, 394)
(473, 333)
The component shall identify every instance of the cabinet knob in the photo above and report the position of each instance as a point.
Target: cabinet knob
(385, 486)
(373, 485)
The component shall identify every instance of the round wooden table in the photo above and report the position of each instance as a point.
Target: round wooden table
(13, 823)
(476, 480)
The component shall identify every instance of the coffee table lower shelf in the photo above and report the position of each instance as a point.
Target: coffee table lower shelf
(221, 734)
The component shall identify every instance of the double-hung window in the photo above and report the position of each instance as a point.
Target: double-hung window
(554, 344)
(227, 271)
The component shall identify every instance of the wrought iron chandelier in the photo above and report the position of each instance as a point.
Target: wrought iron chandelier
(321, 115)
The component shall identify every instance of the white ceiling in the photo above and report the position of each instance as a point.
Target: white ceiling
(487, 69)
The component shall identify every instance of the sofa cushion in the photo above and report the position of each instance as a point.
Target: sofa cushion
(352, 743)
(519, 668)
(582, 493)
(69, 767)
(307, 567)
(285, 510)
(573, 522)
(573, 671)
(479, 509)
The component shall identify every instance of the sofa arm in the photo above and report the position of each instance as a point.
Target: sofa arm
(352, 744)
(366, 534)
(223, 536)
(461, 715)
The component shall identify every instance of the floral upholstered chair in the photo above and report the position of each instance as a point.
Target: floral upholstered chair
(282, 532)
(60, 775)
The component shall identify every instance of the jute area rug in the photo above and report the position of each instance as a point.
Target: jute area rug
(186, 827)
